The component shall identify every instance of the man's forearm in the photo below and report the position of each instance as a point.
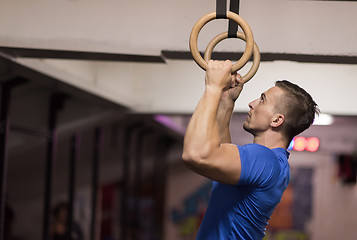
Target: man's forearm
(224, 115)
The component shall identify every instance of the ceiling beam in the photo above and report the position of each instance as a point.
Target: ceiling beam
(268, 57)
(166, 54)
(79, 55)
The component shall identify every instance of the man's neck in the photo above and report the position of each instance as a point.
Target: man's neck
(270, 140)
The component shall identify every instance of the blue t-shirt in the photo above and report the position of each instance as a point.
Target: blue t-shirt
(242, 211)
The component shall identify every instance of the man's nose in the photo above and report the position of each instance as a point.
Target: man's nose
(252, 104)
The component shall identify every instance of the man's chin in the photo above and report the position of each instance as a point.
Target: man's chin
(247, 128)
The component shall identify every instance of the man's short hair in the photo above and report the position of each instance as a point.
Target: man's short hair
(298, 108)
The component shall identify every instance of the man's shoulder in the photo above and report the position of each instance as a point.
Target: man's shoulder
(259, 165)
(256, 148)
(259, 153)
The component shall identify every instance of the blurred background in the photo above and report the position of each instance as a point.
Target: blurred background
(96, 97)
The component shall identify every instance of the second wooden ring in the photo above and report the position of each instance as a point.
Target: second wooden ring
(256, 54)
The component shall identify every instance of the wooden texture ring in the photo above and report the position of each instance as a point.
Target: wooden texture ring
(230, 15)
(256, 54)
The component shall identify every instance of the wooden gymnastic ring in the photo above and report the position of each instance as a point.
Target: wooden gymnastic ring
(256, 53)
(230, 15)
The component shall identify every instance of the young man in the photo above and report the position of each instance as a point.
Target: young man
(249, 180)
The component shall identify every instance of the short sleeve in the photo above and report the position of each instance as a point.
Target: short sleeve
(259, 165)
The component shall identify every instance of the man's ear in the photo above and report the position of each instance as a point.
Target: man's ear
(278, 119)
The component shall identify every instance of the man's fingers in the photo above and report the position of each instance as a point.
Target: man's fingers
(219, 73)
(227, 63)
(239, 79)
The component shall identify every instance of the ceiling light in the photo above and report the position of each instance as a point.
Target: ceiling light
(323, 119)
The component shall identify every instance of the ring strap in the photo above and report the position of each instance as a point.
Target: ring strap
(233, 26)
(221, 9)
(221, 13)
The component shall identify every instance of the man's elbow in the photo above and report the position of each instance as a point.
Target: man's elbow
(191, 156)
(195, 157)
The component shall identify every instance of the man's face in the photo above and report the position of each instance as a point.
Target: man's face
(262, 111)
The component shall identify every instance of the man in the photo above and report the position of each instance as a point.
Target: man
(249, 180)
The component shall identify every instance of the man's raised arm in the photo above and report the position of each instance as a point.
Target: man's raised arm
(203, 151)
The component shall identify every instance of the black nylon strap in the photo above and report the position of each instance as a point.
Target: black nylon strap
(221, 9)
(233, 26)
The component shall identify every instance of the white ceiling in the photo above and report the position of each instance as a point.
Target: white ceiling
(148, 27)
